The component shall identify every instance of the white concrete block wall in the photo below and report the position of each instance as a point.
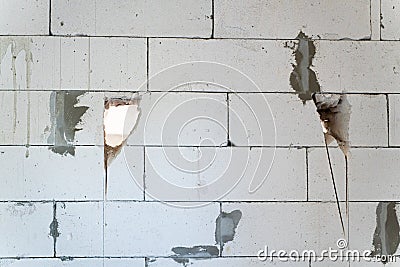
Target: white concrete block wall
(224, 159)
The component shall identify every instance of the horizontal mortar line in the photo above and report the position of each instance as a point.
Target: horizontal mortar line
(65, 258)
(196, 201)
(194, 146)
(192, 37)
(191, 91)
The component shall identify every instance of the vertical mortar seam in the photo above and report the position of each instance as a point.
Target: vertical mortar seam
(307, 177)
(213, 19)
(388, 119)
(147, 63)
(50, 33)
(144, 173)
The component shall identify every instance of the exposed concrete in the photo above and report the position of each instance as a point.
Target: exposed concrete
(334, 112)
(303, 79)
(387, 233)
(226, 225)
(65, 116)
(184, 254)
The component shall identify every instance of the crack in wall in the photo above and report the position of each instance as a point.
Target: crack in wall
(303, 79)
(387, 233)
(65, 115)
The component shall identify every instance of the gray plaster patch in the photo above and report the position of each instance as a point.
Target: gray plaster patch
(386, 236)
(226, 225)
(65, 116)
(303, 79)
(184, 254)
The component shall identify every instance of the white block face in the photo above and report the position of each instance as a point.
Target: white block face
(260, 19)
(394, 120)
(368, 120)
(16, 223)
(261, 120)
(75, 62)
(364, 67)
(78, 177)
(368, 181)
(81, 229)
(220, 65)
(296, 226)
(319, 177)
(190, 18)
(189, 119)
(117, 64)
(33, 17)
(126, 175)
(390, 20)
(209, 174)
(171, 226)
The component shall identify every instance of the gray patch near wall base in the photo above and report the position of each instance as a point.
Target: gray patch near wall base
(387, 233)
(303, 79)
(54, 228)
(65, 116)
(226, 225)
(183, 254)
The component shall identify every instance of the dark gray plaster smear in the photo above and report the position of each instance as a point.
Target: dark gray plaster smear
(387, 233)
(303, 79)
(64, 117)
(184, 254)
(54, 228)
(226, 225)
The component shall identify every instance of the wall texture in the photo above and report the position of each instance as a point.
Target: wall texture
(227, 155)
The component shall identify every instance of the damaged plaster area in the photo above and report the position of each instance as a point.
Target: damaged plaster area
(334, 112)
(226, 225)
(54, 232)
(120, 119)
(387, 233)
(225, 229)
(66, 114)
(182, 254)
(303, 79)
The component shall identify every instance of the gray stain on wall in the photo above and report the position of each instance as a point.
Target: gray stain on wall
(65, 116)
(226, 225)
(303, 79)
(54, 228)
(183, 254)
(386, 236)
